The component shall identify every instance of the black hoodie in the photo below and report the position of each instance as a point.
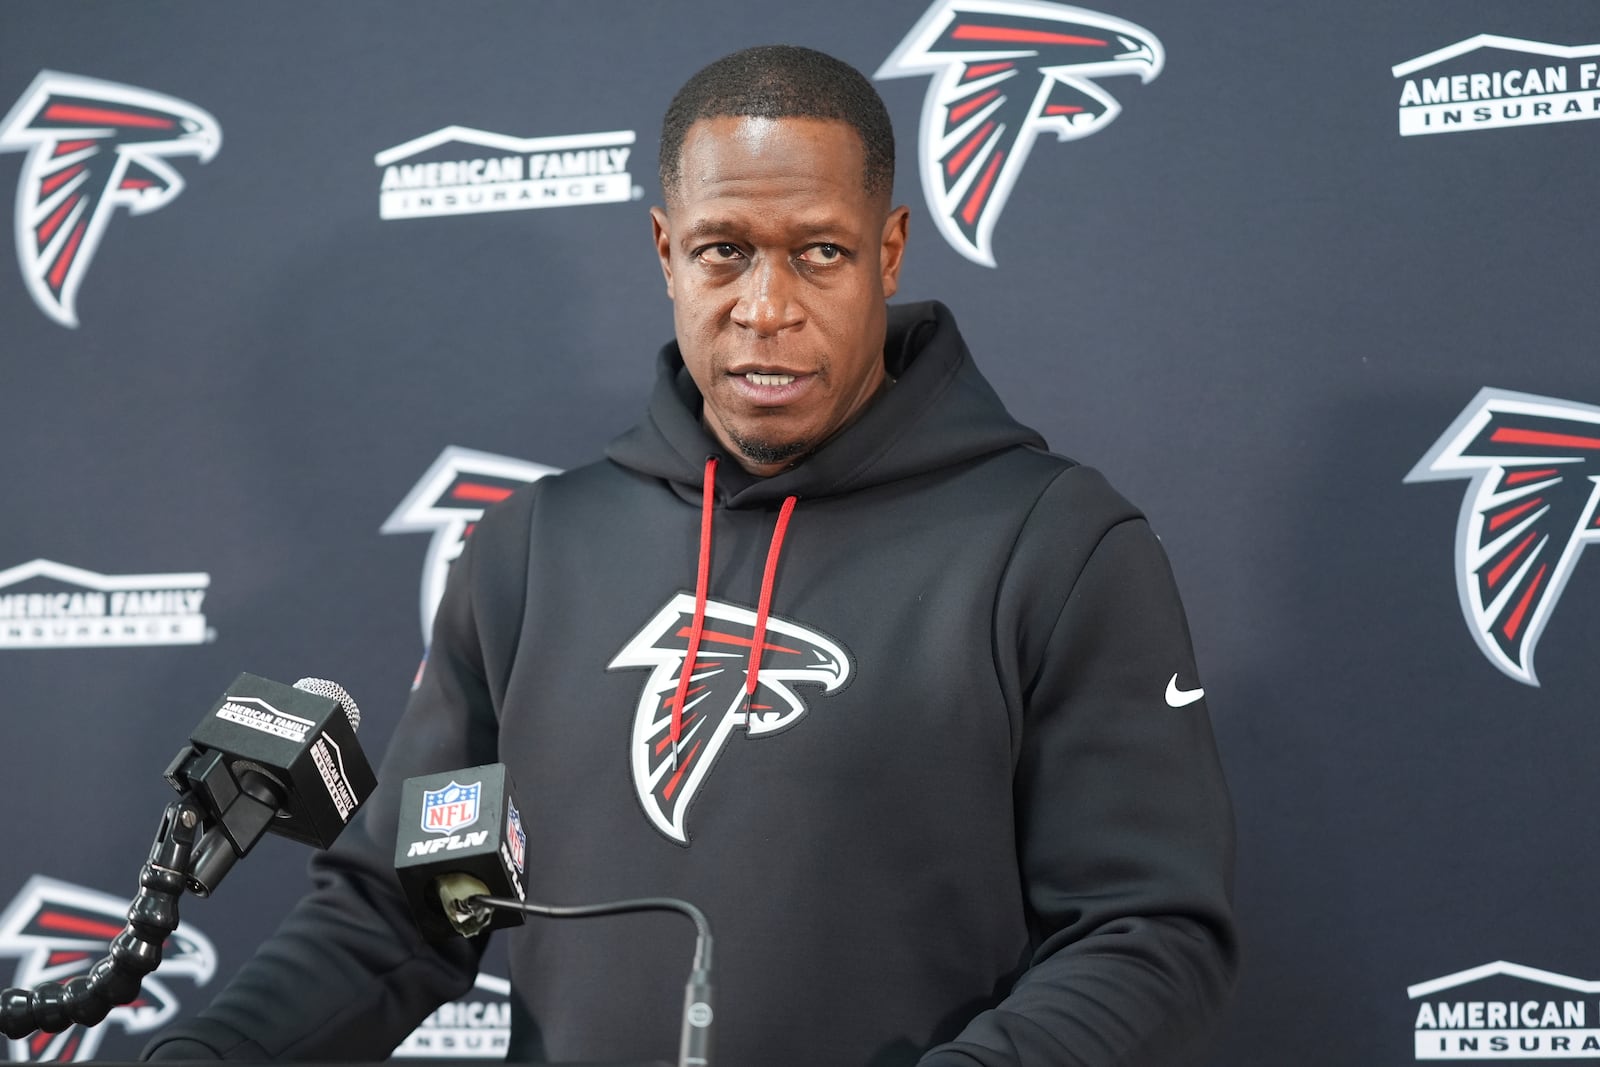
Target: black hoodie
(969, 811)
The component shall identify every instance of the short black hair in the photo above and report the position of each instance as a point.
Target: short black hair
(775, 82)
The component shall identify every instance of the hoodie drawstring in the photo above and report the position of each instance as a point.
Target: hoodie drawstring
(691, 659)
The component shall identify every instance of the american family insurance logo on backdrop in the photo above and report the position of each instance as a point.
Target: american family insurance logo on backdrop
(51, 605)
(1489, 82)
(1505, 1011)
(461, 171)
(478, 1026)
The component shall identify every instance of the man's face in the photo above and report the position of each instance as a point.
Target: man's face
(778, 263)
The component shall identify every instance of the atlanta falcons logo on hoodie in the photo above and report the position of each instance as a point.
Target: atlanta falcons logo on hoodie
(1003, 72)
(1532, 505)
(93, 146)
(666, 777)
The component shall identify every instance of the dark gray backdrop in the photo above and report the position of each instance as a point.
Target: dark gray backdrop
(1249, 300)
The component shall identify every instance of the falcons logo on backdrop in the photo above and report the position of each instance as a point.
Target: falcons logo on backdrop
(93, 146)
(1532, 504)
(715, 703)
(1004, 72)
(58, 930)
(448, 501)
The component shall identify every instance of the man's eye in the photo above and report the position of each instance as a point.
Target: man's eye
(719, 253)
(823, 253)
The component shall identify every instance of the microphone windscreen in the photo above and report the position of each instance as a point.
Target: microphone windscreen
(333, 691)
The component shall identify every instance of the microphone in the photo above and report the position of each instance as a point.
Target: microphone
(266, 756)
(460, 856)
(460, 837)
(271, 757)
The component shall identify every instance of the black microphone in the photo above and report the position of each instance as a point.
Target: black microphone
(460, 836)
(460, 855)
(266, 756)
(269, 756)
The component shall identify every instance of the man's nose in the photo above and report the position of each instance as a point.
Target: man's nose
(766, 302)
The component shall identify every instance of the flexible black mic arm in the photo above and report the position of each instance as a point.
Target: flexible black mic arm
(694, 1047)
(153, 915)
(225, 803)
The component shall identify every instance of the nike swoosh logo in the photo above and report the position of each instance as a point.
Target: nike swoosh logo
(1178, 698)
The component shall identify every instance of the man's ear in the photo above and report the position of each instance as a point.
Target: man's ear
(661, 230)
(895, 228)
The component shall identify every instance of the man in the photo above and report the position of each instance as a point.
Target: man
(828, 645)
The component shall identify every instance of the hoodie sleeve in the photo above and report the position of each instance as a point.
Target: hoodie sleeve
(348, 975)
(1125, 829)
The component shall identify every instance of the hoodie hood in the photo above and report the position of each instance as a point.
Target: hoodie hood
(940, 412)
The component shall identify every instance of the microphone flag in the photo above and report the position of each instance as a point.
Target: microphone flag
(461, 822)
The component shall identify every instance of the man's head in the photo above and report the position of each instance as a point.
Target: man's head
(776, 82)
(779, 247)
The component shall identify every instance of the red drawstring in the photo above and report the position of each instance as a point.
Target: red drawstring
(758, 642)
(702, 580)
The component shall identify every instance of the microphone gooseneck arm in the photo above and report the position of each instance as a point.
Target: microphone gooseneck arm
(694, 1049)
(228, 797)
(152, 917)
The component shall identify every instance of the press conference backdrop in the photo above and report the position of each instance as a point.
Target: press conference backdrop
(298, 289)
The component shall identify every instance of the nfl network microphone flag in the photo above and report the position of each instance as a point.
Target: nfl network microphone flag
(461, 822)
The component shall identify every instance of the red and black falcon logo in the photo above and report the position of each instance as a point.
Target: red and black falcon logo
(667, 782)
(448, 501)
(1003, 72)
(58, 931)
(1532, 504)
(93, 146)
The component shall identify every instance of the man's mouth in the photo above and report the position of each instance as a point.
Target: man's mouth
(772, 387)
